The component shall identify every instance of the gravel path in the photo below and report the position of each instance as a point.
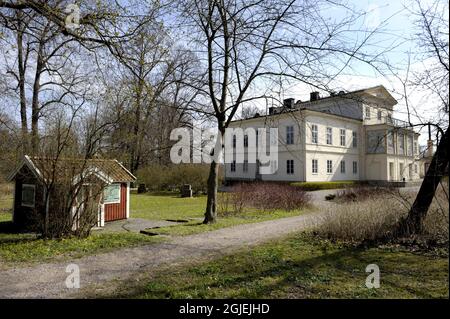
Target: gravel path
(48, 280)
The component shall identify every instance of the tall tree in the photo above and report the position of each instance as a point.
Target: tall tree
(248, 46)
(432, 39)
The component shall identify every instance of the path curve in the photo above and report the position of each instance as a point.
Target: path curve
(48, 280)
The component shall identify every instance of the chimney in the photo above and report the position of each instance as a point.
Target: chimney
(429, 152)
(289, 103)
(314, 96)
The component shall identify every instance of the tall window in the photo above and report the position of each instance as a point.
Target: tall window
(410, 145)
(379, 115)
(329, 166)
(329, 136)
(289, 135)
(28, 195)
(401, 144)
(315, 166)
(343, 167)
(343, 137)
(234, 141)
(245, 167)
(355, 167)
(367, 112)
(314, 134)
(245, 140)
(290, 167)
(354, 139)
(233, 166)
(416, 150)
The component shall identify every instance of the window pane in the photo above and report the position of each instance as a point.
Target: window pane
(28, 195)
(112, 193)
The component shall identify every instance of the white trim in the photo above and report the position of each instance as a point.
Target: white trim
(34, 199)
(29, 163)
(126, 170)
(128, 200)
(101, 216)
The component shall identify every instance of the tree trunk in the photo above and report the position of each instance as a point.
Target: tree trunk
(21, 75)
(213, 183)
(211, 203)
(413, 223)
(35, 108)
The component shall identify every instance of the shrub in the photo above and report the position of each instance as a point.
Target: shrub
(360, 192)
(262, 196)
(373, 219)
(314, 186)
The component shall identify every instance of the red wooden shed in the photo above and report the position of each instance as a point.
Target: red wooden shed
(114, 202)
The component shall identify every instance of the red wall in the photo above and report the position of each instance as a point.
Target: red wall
(117, 211)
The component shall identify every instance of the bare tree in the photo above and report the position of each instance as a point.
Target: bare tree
(432, 38)
(245, 46)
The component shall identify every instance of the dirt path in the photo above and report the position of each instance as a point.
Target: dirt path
(48, 280)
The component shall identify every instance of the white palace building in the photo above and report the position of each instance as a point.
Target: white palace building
(342, 137)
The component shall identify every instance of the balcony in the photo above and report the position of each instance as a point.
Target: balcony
(388, 121)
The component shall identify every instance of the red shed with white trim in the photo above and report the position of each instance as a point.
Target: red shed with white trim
(114, 203)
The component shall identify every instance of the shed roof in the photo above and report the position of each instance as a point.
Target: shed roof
(109, 170)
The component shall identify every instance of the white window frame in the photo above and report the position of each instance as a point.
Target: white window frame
(329, 167)
(314, 134)
(329, 136)
(367, 111)
(120, 194)
(34, 197)
(315, 168)
(342, 138)
(290, 135)
(355, 167)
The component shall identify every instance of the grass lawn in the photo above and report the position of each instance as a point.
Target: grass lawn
(26, 248)
(166, 206)
(6, 201)
(300, 267)
(169, 206)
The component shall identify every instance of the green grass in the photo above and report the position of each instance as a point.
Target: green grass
(166, 206)
(6, 201)
(26, 248)
(300, 267)
(314, 186)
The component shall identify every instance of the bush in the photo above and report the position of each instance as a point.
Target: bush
(262, 196)
(315, 186)
(170, 178)
(360, 192)
(375, 218)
